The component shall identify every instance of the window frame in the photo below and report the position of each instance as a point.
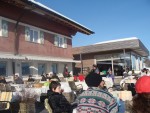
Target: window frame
(60, 41)
(34, 39)
(56, 67)
(26, 74)
(65, 42)
(40, 35)
(6, 67)
(1, 28)
(44, 68)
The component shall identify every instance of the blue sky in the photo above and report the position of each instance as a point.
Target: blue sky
(109, 19)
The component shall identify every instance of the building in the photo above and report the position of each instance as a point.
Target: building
(35, 39)
(118, 55)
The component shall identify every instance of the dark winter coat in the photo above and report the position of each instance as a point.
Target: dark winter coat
(58, 103)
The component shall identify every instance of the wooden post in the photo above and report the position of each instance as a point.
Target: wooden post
(124, 52)
(112, 65)
(81, 63)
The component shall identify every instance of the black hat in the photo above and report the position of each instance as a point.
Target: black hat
(93, 79)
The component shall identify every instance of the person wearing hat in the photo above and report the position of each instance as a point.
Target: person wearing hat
(141, 101)
(95, 99)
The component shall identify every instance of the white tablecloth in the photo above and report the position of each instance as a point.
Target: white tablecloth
(22, 91)
(85, 87)
(108, 82)
(29, 92)
(65, 86)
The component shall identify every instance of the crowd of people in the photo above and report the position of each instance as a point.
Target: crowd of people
(97, 98)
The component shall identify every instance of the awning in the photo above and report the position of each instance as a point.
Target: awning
(37, 58)
(56, 59)
(11, 56)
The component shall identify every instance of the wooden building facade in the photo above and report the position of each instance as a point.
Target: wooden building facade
(35, 39)
(117, 55)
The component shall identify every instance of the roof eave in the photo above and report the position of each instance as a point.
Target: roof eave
(76, 26)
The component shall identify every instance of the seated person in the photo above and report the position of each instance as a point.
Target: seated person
(102, 85)
(48, 76)
(95, 99)
(43, 78)
(55, 77)
(65, 72)
(2, 80)
(131, 87)
(30, 79)
(56, 100)
(18, 80)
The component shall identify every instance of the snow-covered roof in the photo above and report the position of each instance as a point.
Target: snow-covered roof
(117, 40)
(130, 44)
(57, 13)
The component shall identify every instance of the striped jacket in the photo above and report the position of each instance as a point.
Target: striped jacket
(95, 100)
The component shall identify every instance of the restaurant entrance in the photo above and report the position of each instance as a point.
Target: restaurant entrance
(118, 67)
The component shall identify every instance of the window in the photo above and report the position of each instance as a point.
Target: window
(65, 42)
(41, 37)
(41, 69)
(34, 35)
(56, 41)
(60, 41)
(133, 59)
(25, 68)
(3, 68)
(4, 28)
(54, 68)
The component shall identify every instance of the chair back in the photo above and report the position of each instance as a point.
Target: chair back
(72, 85)
(6, 96)
(47, 106)
(5, 99)
(126, 95)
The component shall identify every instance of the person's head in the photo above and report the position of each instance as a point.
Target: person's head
(93, 80)
(66, 66)
(94, 66)
(43, 75)
(30, 76)
(16, 76)
(47, 75)
(141, 102)
(55, 86)
(110, 72)
(142, 85)
(102, 84)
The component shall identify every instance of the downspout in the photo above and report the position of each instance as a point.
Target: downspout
(16, 49)
(124, 53)
(16, 34)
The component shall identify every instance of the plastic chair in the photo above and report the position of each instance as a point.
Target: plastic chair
(77, 88)
(47, 106)
(5, 99)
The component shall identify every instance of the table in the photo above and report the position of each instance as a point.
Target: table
(85, 87)
(123, 95)
(108, 82)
